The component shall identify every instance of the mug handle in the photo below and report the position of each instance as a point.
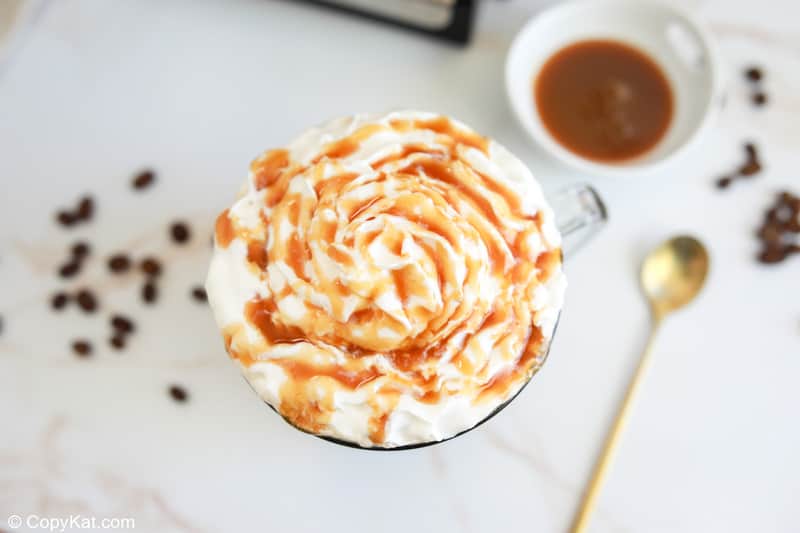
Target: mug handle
(580, 213)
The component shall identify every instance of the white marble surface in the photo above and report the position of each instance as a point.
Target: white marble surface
(92, 90)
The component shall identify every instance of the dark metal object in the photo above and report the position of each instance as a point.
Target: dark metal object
(457, 29)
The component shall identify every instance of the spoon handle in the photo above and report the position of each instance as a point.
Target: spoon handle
(612, 439)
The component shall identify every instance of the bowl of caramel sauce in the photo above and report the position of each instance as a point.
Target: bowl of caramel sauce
(614, 87)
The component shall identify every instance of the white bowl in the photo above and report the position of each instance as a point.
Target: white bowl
(677, 43)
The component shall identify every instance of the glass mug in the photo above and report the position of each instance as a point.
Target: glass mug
(579, 213)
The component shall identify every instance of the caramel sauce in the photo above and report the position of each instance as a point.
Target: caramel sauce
(604, 100)
(223, 229)
(338, 149)
(257, 254)
(302, 371)
(339, 256)
(406, 151)
(296, 256)
(267, 169)
(259, 313)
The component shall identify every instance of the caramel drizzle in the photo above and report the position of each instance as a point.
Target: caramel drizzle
(432, 183)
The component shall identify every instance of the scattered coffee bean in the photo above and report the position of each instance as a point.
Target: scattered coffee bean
(180, 232)
(81, 249)
(748, 169)
(143, 179)
(117, 341)
(780, 231)
(70, 269)
(59, 300)
(151, 266)
(65, 218)
(119, 263)
(751, 151)
(753, 74)
(759, 98)
(178, 393)
(85, 208)
(122, 324)
(86, 300)
(724, 182)
(149, 292)
(199, 294)
(82, 348)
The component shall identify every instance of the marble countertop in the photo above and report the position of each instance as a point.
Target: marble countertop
(92, 91)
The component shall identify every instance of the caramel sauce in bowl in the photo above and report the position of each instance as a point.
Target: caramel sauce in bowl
(613, 87)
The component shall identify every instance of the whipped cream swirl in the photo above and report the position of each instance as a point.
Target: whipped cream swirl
(387, 280)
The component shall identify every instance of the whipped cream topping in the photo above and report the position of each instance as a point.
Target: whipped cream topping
(387, 280)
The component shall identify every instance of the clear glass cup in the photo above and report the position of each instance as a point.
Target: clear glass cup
(580, 212)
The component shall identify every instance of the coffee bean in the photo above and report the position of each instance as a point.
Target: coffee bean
(151, 266)
(178, 393)
(82, 348)
(753, 74)
(119, 263)
(122, 324)
(85, 208)
(724, 182)
(143, 180)
(750, 168)
(69, 270)
(777, 233)
(149, 292)
(760, 99)
(751, 151)
(81, 249)
(65, 218)
(180, 232)
(117, 341)
(59, 300)
(86, 300)
(199, 294)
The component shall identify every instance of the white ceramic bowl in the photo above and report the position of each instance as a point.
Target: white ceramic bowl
(677, 43)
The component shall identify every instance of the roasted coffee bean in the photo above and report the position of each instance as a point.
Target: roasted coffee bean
(751, 151)
(724, 182)
(81, 249)
(780, 230)
(86, 300)
(151, 266)
(82, 348)
(178, 393)
(149, 292)
(760, 99)
(117, 341)
(85, 208)
(65, 218)
(122, 324)
(59, 301)
(753, 74)
(180, 232)
(69, 270)
(199, 294)
(119, 263)
(143, 180)
(750, 168)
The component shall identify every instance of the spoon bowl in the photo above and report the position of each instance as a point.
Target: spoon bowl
(674, 273)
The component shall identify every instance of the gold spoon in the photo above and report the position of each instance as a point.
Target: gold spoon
(671, 277)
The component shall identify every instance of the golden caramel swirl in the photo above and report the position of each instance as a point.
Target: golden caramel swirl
(396, 263)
